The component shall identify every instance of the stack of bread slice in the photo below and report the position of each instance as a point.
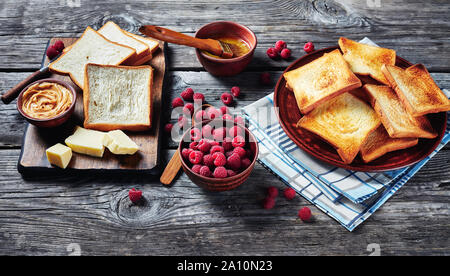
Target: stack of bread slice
(373, 120)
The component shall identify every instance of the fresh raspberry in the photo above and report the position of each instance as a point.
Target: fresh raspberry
(224, 109)
(289, 193)
(219, 159)
(272, 53)
(59, 46)
(227, 143)
(208, 160)
(207, 131)
(199, 97)
(196, 157)
(187, 94)
(309, 47)
(220, 172)
(52, 52)
(193, 145)
(265, 78)
(177, 102)
(228, 153)
(204, 146)
(182, 121)
(227, 98)
(272, 192)
(185, 153)
(196, 134)
(168, 128)
(231, 173)
(212, 113)
(235, 91)
(245, 163)
(196, 168)
(280, 45)
(285, 53)
(200, 115)
(227, 117)
(235, 131)
(240, 151)
(188, 109)
(219, 134)
(305, 214)
(239, 120)
(134, 195)
(234, 162)
(269, 203)
(238, 141)
(205, 171)
(215, 149)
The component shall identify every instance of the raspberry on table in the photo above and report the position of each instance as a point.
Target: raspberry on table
(234, 161)
(196, 157)
(52, 52)
(134, 195)
(280, 45)
(289, 193)
(240, 151)
(220, 172)
(238, 141)
(235, 131)
(285, 53)
(235, 91)
(168, 128)
(272, 53)
(269, 203)
(208, 160)
(305, 214)
(177, 102)
(272, 191)
(205, 171)
(309, 47)
(245, 163)
(188, 94)
(196, 168)
(219, 159)
(226, 98)
(59, 46)
(199, 96)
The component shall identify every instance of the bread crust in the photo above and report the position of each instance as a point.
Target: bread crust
(108, 127)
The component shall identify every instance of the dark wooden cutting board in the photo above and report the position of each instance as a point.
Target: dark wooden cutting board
(36, 140)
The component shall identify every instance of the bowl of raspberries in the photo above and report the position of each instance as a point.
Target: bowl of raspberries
(218, 154)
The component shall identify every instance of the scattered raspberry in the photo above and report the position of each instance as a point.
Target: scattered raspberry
(265, 78)
(168, 128)
(280, 45)
(134, 195)
(200, 115)
(193, 145)
(185, 153)
(227, 117)
(177, 102)
(224, 109)
(245, 163)
(208, 160)
(215, 149)
(207, 131)
(52, 52)
(239, 120)
(227, 143)
(196, 157)
(226, 98)
(309, 47)
(234, 162)
(182, 121)
(272, 192)
(272, 53)
(196, 134)
(219, 159)
(238, 141)
(289, 193)
(304, 214)
(235, 131)
(59, 46)
(219, 134)
(235, 91)
(205, 171)
(204, 146)
(220, 172)
(269, 203)
(188, 109)
(240, 151)
(199, 97)
(212, 113)
(188, 94)
(196, 168)
(285, 53)
(231, 173)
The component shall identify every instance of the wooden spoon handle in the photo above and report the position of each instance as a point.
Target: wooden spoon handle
(171, 169)
(210, 45)
(12, 93)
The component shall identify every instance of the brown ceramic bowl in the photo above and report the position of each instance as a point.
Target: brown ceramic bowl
(54, 121)
(221, 66)
(219, 184)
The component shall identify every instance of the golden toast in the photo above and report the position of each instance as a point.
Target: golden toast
(399, 123)
(416, 89)
(344, 121)
(321, 80)
(379, 143)
(367, 59)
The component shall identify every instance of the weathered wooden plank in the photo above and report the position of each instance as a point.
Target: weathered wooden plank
(47, 215)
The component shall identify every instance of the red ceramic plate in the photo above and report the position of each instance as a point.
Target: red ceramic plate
(289, 114)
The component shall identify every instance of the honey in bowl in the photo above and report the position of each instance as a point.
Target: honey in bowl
(238, 46)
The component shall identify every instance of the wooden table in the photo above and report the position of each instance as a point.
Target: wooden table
(90, 215)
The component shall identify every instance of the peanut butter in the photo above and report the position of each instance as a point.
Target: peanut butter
(46, 100)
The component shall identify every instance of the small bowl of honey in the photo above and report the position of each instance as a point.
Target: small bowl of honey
(241, 40)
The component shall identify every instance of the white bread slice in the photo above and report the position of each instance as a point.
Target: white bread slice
(379, 143)
(118, 97)
(416, 89)
(152, 44)
(321, 80)
(344, 121)
(367, 59)
(91, 47)
(398, 122)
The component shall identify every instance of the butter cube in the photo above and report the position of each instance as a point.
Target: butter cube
(119, 143)
(87, 141)
(59, 155)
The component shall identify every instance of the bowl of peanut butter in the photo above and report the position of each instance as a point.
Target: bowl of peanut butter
(47, 102)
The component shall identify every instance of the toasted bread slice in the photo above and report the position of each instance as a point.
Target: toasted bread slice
(344, 121)
(367, 59)
(91, 47)
(320, 80)
(416, 89)
(398, 122)
(379, 143)
(118, 97)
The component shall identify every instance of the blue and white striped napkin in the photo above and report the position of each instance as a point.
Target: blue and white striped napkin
(349, 197)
